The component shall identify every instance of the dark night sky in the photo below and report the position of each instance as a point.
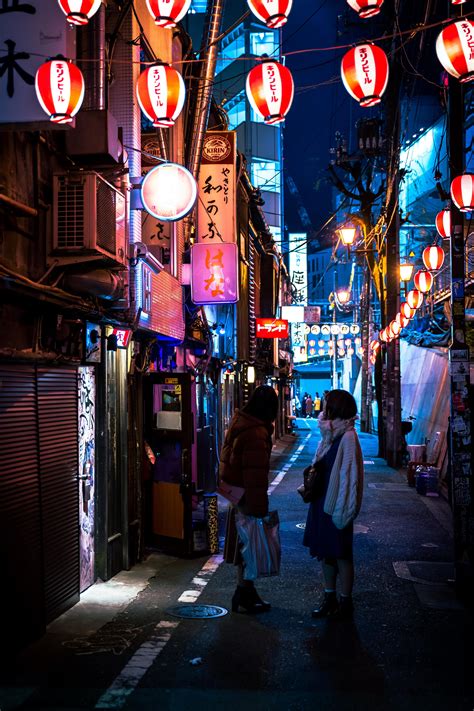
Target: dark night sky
(317, 113)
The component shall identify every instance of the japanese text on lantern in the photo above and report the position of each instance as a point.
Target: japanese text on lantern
(216, 197)
(29, 32)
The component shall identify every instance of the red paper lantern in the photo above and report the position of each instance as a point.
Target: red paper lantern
(457, 2)
(366, 8)
(462, 192)
(443, 223)
(433, 258)
(270, 90)
(407, 311)
(394, 328)
(423, 281)
(79, 12)
(454, 49)
(414, 299)
(59, 87)
(273, 13)
(161, 93)
(166, 13)
(364, 72)
(402, 320)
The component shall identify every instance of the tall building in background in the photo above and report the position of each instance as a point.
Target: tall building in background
(260, 144)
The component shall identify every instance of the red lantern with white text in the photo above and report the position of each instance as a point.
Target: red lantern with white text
(443, 223)
(462, 192)
(59, 87)
(273, 13)
(454, 49)
(79, 12)
(433, 258)
(366, 8)
(364, 72)
(423, 281)
(270, 90)
(406, 310)
(161, 94)
(414, 299)
(166, 13)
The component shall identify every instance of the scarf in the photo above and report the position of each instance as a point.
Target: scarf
(330, 430)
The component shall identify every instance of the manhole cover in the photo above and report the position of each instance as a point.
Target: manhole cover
(197, 612)
(300, 525)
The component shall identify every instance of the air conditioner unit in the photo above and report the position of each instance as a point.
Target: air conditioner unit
(90, 220)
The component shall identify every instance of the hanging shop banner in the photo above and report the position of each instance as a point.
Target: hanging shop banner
(123, 336)
(271, 328)
(30, 32)
(298, 242)
(216, 220)
(214, 273)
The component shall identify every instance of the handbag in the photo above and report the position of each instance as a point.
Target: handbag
(231, 492)
(260, 544)
(312, 487)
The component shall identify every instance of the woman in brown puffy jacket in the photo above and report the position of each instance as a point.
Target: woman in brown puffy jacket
(245, 462)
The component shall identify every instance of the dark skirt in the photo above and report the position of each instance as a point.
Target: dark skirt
(321, 536)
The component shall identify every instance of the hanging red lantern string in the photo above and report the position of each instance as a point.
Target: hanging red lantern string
(453, 48)
(273, 13)
(270, 90)
(402, 320)
(364, 72)
(59, 87)
(414, 299)
(161, 93)
(395, 328)
(407, 311)
(79, 12)
(443, 223)
(366, 8)
(423, 281)
(433, 258)
(462, 192)
(166, 13)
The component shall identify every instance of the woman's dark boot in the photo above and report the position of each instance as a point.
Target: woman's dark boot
(248, 598)
(328, 608)
(346, 607)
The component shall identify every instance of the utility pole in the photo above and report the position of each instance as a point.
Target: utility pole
(460, 452)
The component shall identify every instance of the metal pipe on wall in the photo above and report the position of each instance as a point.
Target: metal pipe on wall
(92, 46)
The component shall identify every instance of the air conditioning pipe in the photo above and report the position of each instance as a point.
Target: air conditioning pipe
(102, 283)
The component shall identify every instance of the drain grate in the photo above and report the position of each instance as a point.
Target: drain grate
(197, 612)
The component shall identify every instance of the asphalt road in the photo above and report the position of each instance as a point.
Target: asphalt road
(406, 648)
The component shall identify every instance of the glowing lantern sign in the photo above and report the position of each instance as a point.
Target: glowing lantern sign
(161, 93)
(402, 320)
(79, 12)
(166, 13)
(59, 87)
(270, 90)
(443, 223)
(394, 328)
(364, 72)
(414, 299)
(215, 273)
(407, 311)
(453, 48)
(366, 8)
(274, 13)
(462, 192)
(423, 281)
(433, 258)
(168, 192)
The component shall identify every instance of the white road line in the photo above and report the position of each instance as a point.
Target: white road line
(133, 672)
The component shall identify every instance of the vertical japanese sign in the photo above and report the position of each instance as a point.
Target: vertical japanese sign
(30, 32)
(214, 273)
(217, 184)
(299, 287)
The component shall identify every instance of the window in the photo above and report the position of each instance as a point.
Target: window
(264, 42)
(146, 289)
(235, 108)
(232, 47)
(265, 174)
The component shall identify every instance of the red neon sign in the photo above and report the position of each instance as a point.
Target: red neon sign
(123, 336)
(271, 328)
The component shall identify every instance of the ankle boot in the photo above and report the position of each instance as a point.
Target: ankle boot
(328, 607)
(249, 600)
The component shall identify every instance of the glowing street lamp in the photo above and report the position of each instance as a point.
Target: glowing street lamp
(347, 235)
(406, 271)
(343, 296)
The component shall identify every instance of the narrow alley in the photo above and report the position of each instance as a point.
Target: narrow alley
(406, 648)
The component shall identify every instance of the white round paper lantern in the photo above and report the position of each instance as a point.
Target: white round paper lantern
(168, 192)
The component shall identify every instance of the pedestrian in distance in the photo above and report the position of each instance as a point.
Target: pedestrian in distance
(317, 405)
(309, 406)
(245, 462)
(329, 526)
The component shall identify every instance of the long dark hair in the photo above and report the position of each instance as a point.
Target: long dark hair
(263, 403)
(339, 404)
